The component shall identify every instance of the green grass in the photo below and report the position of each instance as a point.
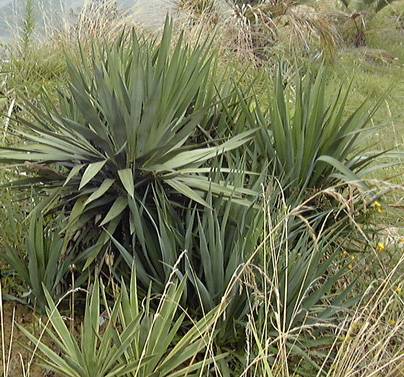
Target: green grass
(376, 71)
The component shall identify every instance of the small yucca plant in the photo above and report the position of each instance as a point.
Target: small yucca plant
(307, 138)
(42, 265)
(133, 341)
(213, 244)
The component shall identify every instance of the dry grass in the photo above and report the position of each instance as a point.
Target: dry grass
(369, 343)
(373, 335)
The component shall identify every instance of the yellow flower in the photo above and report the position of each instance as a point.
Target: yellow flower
(380, 246)
(352, 257)
(378, 206)
(401, 239)
(398, 289)
(350, 266)
(392, 322)
(345, 252)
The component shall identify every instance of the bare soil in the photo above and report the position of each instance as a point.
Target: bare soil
(17, 354)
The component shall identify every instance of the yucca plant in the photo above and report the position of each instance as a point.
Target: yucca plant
(208, 246)
(124, 132)
(220, 241)
(162, 341)
(41, 264)
(308, 139)
(134, 340)
(96, 353)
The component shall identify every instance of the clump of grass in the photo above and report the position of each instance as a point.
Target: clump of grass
(6, 344)
(197, 11)
(369, 342)
(258, 32)
(372, 338)
(96, 19)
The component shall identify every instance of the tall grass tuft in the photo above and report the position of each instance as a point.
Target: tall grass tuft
(355, 334)
(372, 337)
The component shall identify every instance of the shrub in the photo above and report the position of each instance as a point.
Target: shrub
(123, 137)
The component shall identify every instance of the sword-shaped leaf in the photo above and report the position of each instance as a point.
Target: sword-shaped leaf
(105, 185)
(127, 180)
(73, 173)
(119, 205)
(186, 191)
(91, 171)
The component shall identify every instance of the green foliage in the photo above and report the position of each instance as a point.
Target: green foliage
(307, 138)
(123, 136)
(157, 340)
(151, 156)
(135, 341)
(366, 5)
(31, 63)
(42, 265)
(208, 246)
(29, 25)
(362, 12)
(12, 216)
